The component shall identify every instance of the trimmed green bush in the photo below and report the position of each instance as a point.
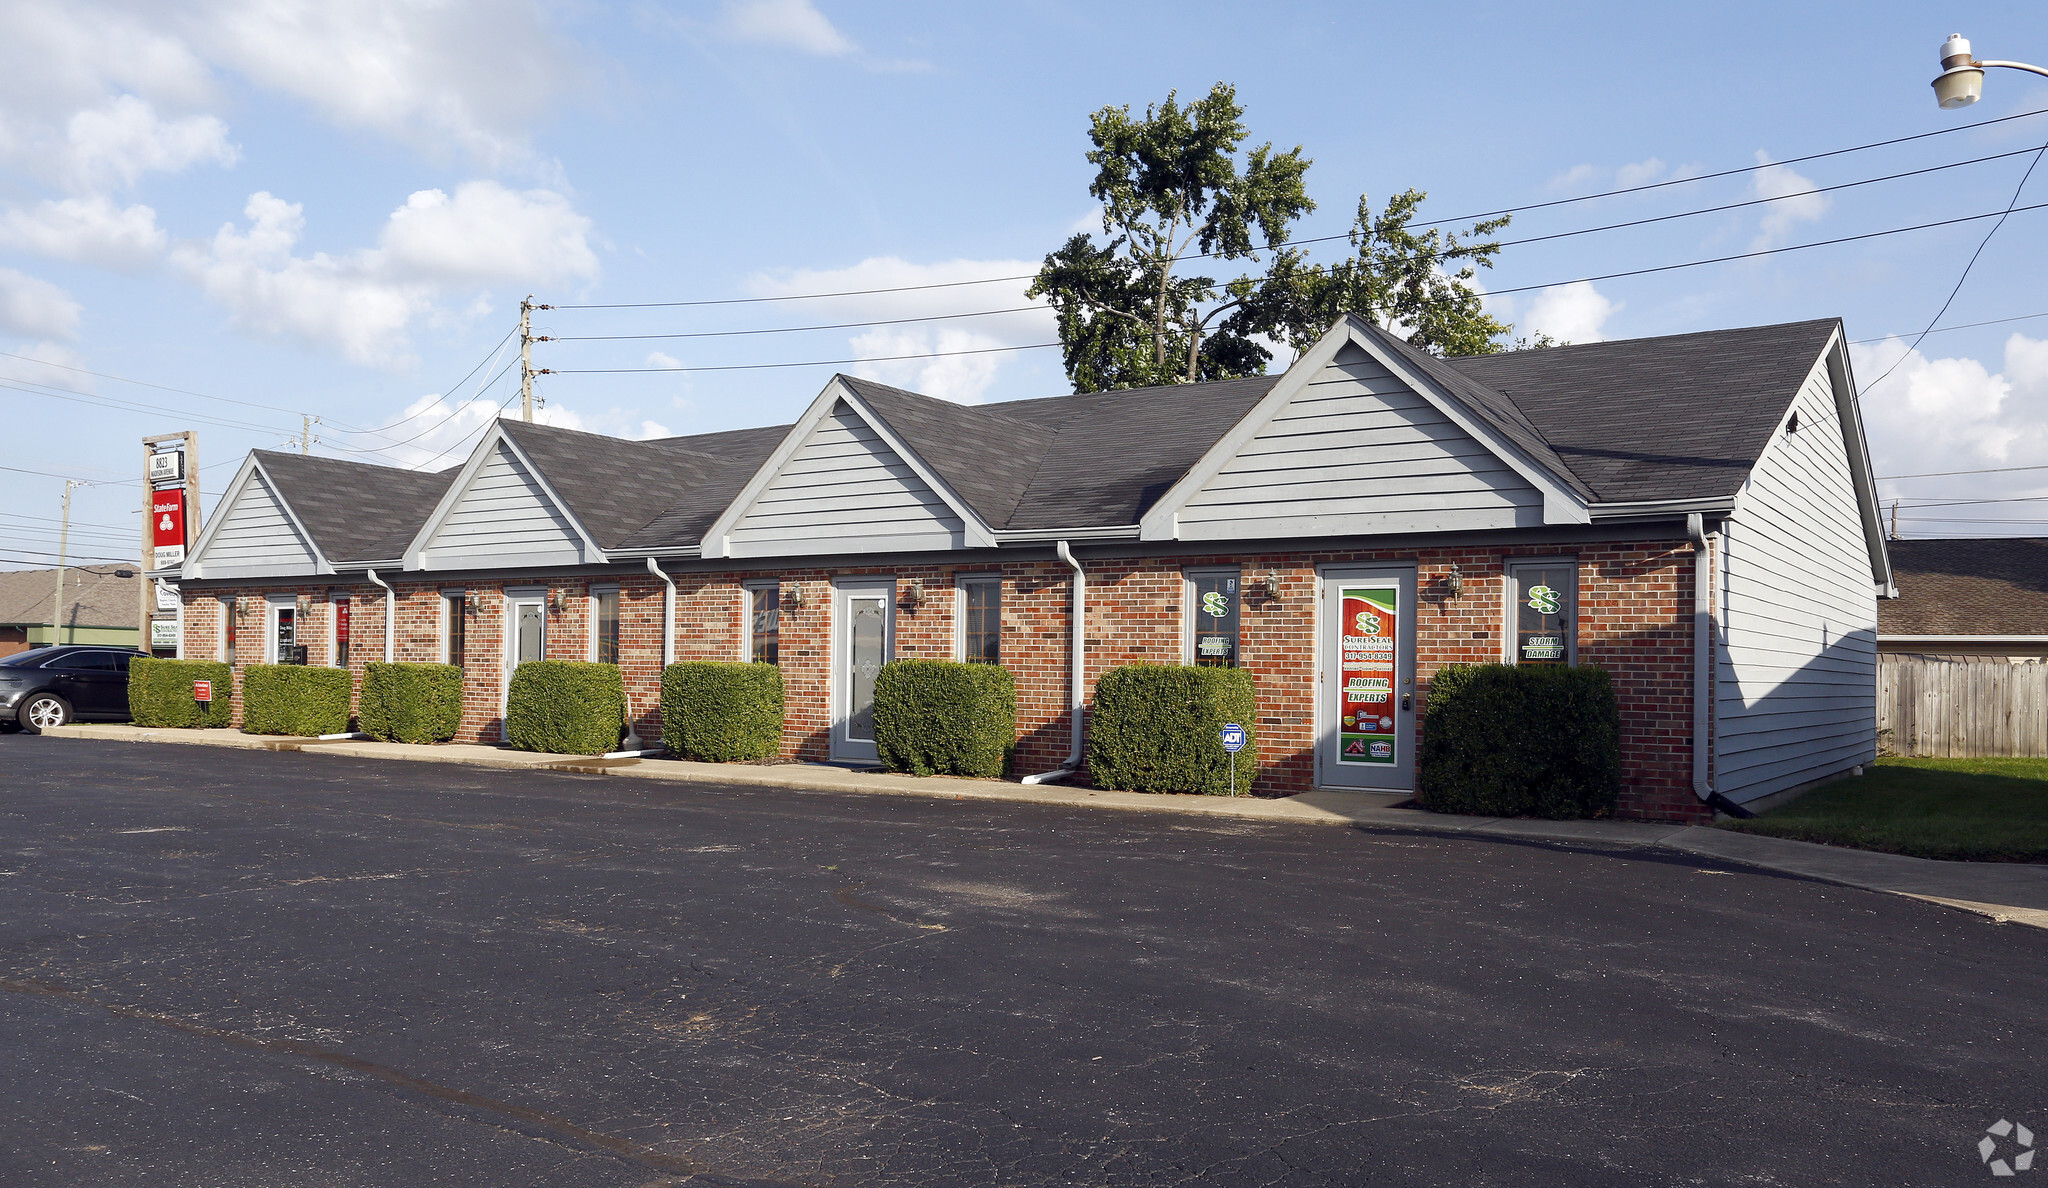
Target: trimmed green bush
(720, 711)
(160, 693)
(294, 699)
(1154, 729)
(571, 707)
(411, 703)
(1526, 740)
(942, 717)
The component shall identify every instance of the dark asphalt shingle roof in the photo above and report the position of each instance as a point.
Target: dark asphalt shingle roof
(1995, 586)
(356, 511)
(1679, 417)
(94, 596)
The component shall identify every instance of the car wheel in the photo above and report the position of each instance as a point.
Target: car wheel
(42, 711)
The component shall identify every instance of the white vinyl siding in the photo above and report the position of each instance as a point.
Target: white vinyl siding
(1357, 451)
(844, 490)
(257, 539)
(1797, 665)
(504, 517)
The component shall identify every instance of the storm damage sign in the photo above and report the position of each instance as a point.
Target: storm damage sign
(167, 526)
(1369, 630)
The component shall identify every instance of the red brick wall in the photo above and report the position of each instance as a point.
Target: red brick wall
(1634, 620)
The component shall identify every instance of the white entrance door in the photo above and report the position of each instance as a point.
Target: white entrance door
(863, 639)
(526, 633)
(281, 633)
(1365, 697)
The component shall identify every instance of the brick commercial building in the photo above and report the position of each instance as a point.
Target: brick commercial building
(1693, 513)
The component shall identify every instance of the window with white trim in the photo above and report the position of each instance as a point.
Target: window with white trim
(454, 626)
(764, 622)
(604, 624)
(227, 628)
(337, 630)
(981, 619)
(1213, 597)
(1543, 611)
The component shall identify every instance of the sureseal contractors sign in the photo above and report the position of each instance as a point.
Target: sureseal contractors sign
(1366, 718)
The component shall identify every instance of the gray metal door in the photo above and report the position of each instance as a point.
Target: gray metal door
(1365, 695)
(864, 639)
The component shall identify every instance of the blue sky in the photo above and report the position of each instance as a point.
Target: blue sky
(334, 209)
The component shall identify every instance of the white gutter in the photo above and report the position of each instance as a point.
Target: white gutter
(390, 611)
(1702, 650)
(1076, 670)
(668, 615)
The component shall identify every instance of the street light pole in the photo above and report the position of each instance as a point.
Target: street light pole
(63, 552)
(1961, 81)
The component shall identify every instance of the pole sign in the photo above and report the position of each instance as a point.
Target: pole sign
(1232, 737)
(202, 690)
(163, 633)
(1370, 625)
(167, 468)
(167, 526)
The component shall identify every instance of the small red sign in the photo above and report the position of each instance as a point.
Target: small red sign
(202, 690)
(341, 620)
(167, 518)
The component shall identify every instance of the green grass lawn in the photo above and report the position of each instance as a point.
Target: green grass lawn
(1981, 810)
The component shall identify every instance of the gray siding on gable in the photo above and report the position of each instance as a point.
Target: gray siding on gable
(256, 538)
(1796, 671)
(504, 517)
(1357, 451)
(844, 491)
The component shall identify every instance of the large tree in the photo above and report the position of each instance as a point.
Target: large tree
(1176, 191)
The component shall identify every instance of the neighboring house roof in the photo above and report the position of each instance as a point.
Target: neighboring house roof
(355, 511)
(1675, 418)
(93, 596)
(1679, 417)
(1996, 586)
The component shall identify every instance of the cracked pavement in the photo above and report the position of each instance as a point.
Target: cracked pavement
(251, 968)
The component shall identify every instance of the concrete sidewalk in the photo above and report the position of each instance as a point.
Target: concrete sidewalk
(2006, 892)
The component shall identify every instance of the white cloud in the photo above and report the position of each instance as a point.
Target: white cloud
(1569, 313)
(652, 429)
(1641, 173)
(34, 307)
(1946, 414)
(1797, 202)
(365, 301)
(959, 376)
(1578, 177)
(48, 364)
(487, 233)
(114, 144)
(433, 432)
(787, 24)
(87, 230)
(661, 359)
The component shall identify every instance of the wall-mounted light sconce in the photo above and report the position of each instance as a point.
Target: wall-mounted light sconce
(1266, 588)
(305, 606)
(556, 601)
(790, 598)
(469, 603)
(913, 594)
(1454, 581)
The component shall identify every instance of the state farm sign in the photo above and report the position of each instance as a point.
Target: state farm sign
(167, 527)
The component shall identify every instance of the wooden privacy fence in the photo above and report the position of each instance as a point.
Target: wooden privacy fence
(1958, 708)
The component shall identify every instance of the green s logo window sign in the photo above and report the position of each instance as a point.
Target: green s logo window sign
(1544, 600)
(1215, 605)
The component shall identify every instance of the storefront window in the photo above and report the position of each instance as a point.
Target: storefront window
(1212, 616)
(340, 610)
(453, 603)
(981, 628)
(607, 624)
(764, 623)
(1543, 612)
(227, 630)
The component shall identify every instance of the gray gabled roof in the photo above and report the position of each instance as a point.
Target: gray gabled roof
(1975, 586)
(355, 511)
(1679, 417)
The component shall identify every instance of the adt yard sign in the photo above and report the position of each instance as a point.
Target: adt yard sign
(1232, 736)
(202, 690)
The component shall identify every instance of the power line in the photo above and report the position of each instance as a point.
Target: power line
(1947, 329)
(789, 329)
(1036, 346)
(47, 474)
(1953, 473)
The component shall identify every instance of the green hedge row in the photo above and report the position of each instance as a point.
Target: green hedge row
(721, 712)
(1521, 741)
(294, 699)
(1154, 729)
(570, 707)
(411, 703)
(160, 693)
(942, 717)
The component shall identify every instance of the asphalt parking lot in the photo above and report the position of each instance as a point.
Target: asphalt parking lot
(245, 968)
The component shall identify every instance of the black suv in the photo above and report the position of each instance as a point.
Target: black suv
(48, 687)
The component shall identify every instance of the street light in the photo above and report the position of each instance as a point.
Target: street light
(1961, 81)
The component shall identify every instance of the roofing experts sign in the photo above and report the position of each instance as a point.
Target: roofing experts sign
(167, 526)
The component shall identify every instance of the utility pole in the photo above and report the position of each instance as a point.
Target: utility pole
(306, 438)
(526, 358)
(1895, 519)
(63, 552)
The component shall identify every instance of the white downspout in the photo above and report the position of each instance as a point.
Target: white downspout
(1076, 668)
(668, 615)
(390, 611)
(1702, 651)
